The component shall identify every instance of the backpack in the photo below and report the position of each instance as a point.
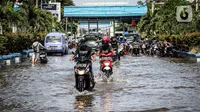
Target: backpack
(35, 47)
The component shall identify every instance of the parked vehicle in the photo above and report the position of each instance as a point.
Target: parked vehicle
(56, 42)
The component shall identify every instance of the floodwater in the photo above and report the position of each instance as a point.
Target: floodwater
(140, 84)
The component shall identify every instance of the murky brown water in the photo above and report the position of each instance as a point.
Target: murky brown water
(140, 84)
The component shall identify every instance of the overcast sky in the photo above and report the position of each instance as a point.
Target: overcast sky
(130, 2)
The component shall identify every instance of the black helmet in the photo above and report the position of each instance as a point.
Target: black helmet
(37, 38)
(82, 40)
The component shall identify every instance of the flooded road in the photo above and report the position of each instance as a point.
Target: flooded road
(140, 84)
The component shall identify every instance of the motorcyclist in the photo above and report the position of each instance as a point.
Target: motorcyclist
(153, 41)
(135, 39)
(84, 50)
(99, 41)
(126, 45)
(121, 40)
(37, 46)
(115, 44)
(106, 47)
(167, 46)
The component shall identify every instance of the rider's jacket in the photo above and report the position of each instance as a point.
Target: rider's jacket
(83, 51)
(121, 41)
(114, 44)
(105, 49)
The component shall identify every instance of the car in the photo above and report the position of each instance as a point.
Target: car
(129, 37)
(92, 41)
(56, 42)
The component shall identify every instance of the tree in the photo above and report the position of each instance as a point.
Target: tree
(140, 2)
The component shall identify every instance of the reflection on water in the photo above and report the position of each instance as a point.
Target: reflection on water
(83, 101)
(143, 84)
(107, 102)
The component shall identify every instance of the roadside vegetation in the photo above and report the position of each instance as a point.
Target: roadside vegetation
(30, 21)
(162, 23)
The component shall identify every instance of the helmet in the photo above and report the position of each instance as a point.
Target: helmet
(113, 37)
(82, 41)
(105, 40)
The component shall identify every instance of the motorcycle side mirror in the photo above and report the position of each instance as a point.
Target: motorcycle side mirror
(73, 52)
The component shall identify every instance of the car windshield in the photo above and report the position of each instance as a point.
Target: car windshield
(53, 39)
(92, 37)
(130, 37)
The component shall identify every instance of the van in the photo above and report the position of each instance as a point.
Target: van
(56, 42)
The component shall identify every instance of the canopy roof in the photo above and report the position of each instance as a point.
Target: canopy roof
(104, 11)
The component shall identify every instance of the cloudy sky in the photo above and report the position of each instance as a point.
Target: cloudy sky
(126, 2)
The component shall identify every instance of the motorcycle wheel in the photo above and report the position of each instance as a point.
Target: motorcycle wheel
(80, 85)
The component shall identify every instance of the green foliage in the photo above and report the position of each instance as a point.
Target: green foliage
(164, 25)
(30, 22)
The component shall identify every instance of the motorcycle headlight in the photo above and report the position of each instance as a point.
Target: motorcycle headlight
(107, 68)
(81, 72)
(107, 64)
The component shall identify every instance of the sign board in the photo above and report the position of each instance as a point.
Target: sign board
(132, 28)
(99, 22)
(54, 8)
(49, 6)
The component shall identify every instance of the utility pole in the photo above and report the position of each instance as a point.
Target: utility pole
(153, 7)
(197, 5)
(156, 3)
(36, 4)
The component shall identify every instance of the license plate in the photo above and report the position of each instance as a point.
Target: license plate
(106, 58)
(135, 46)
(143, 46)
(81, 65)
(42, 55)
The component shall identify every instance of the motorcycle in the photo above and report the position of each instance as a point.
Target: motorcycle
(121, 50)
(168, 51)
(136, 48)
(115, 55)
(43, 56)
(154, 50)
(126, 49)
(106, 64)
(83, 74)
(144, 47)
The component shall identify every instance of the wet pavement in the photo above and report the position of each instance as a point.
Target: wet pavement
(140, 84)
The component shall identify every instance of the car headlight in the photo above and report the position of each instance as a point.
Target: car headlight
(59, 47)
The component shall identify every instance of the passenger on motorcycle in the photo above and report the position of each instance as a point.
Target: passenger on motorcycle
(115, 44)
(126, 46)
(167, 46)
(99, 41)
(84, 50)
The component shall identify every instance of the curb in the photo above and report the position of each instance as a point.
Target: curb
(15, 58)
(188, 55)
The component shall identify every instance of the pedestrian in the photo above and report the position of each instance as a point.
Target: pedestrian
(36, 50)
